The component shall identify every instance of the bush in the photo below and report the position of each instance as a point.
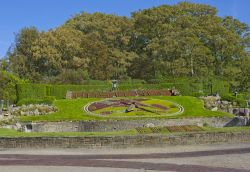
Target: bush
(74, 76)
(229, 97)
(245, 96)
(198, 94)
(154, 81)
(221, 87)
(216, 86)
(8, 83)
(131, 81)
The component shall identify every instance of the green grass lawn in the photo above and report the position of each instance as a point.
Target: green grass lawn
(72, 110)
(193, 107)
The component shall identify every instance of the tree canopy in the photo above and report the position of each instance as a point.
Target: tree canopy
(184, 40)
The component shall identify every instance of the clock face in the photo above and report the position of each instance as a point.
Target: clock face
(133, 107)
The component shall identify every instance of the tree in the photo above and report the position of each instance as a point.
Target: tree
(113, 30)
(110, 31)
(184, 40)
(187, 40)
(20, 55)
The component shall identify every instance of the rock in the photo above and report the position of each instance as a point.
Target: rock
(207, 105)
(130, 108)
(7, 126)
(38, 109)
(230, 110)
(244, 111)
(149, 125)
(241, 111)
(17, 126)
(214, 109)
(237, 121)
(225, 102)
(200, 124)
(36, 112)
(235, 111)
(7, 114)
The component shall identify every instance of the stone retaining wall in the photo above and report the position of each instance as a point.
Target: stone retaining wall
(106, 126)
(124, 141)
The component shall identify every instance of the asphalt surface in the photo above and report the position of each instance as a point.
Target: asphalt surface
(206, 158)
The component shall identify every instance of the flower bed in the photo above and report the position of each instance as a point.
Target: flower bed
(160, 106)
(96, 106)
(138, 107)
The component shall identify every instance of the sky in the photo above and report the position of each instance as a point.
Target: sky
(48, 14)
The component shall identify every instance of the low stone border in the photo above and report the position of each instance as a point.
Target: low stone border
(125, 141)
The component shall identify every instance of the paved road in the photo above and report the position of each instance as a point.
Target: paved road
(207, 158)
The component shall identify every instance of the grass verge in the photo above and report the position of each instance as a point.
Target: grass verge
(146, 131)
(13, 133)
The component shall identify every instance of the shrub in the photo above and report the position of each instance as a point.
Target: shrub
(198, 94)
(229, 97)
(221, 87)
(245, 96)
(205, 124)
(154, 81)
(74, 76)
(131, 81)
(216, 86)
(8, 83)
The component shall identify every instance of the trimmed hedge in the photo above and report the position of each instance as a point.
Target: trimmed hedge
(186, 88)
(59, 91)
(46, 100)
(221, 87)
(39, 91)
(31, 91)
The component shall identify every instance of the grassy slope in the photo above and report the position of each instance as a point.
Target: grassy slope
(72, 110)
